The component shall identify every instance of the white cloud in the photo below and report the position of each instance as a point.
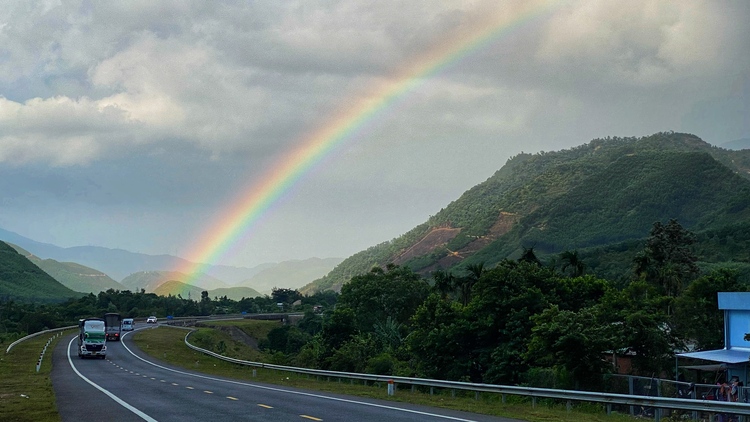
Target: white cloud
(636, 43)
(205, 93)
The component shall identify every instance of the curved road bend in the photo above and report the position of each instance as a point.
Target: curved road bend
(129, 386)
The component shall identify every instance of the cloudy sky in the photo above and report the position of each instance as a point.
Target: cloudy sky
(135, 124)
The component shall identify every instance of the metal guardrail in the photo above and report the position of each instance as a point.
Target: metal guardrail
(710, 406)
(38, 333)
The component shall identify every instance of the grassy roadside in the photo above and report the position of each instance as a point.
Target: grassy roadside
(26, 395)
(167, 344)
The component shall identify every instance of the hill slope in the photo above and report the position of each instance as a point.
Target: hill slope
(21, 280)
(607, 191)
(74, 276)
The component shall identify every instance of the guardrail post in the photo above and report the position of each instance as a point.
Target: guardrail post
(391, 388)
(255, 373)
(533, 402)
(630, 391)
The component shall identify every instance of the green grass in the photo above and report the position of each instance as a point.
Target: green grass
(252, 327)
(167, 344)
(18, 377)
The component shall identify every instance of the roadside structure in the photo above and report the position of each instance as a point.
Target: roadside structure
(734, 358)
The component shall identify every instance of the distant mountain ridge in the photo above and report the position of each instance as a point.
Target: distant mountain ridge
(119, 263)
(186, 291)
(737, 144)
(601, 193)
(151, 280)
(131, 266)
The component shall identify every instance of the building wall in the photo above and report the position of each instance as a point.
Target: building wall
(737, 326)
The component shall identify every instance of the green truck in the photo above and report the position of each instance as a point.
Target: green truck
(92, 338)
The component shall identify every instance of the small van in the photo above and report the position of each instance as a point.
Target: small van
(127, 324)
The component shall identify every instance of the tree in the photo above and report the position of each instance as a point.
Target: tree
(288, 296)
(395, 292)
(574, 341)
(528, 255)
(206, 305)
(644, 326)
(441, 341)
(571, 260)
(697, 316)
(667, 260)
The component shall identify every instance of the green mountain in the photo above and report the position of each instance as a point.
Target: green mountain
(601, 194)
(150, 280)
(175, 288)
(74, 276)
(21, 280)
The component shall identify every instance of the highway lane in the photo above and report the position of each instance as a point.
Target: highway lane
(129, 386)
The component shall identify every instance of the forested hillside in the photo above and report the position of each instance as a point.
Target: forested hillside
(76, 277)
(604, 193)
(21, 280)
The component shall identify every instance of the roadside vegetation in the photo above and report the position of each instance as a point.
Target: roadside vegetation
(167, 344)
(27, 395)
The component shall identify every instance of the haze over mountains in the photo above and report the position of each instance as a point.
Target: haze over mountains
(94, 269)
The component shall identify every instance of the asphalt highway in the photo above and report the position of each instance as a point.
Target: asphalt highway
(130, 386)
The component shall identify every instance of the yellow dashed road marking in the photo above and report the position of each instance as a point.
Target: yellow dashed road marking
(208, 392)
(232, 398)
(265, 405)
(311, 418)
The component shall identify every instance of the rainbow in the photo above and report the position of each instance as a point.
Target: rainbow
(253, 204)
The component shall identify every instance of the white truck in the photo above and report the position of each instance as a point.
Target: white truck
(92, 338)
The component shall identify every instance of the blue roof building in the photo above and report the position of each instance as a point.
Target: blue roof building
(735, 356)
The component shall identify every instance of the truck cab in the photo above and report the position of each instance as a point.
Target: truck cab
(92, 338)
(128, 324)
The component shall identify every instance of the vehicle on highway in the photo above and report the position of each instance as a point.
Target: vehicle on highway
(92, 338)
(112, 323)
(151, 320)
(128, 324)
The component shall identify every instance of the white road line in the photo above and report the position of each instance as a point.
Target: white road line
(121, 402)
(300, 393)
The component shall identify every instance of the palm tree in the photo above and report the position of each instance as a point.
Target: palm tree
(571, 260)
(528, 255)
